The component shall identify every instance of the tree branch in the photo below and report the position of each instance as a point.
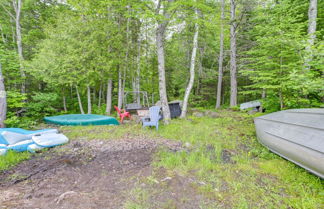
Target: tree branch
(9, 13)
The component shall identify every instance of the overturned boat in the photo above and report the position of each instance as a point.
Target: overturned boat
(297, 135)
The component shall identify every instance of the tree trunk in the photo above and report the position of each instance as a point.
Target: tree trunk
(79, 100)
(221, 58)
(138, 73)
(200, 71)
(99, 96)
(94, 95)
(4, 40)
(233, 99)
(192, 68)
(89, 99)
(160, 32)
(263, 96)
(17, 5)
(312, 15)
(64, 103)
(3, 100)
(109, 96)
(120, 90)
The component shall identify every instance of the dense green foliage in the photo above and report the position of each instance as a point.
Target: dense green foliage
(85, 43)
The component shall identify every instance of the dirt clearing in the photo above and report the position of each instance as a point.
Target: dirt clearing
(82, 174)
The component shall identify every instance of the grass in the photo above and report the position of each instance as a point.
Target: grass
(257, 179)
(221, 152)
(12, 158)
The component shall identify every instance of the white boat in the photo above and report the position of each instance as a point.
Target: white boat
(297, 135)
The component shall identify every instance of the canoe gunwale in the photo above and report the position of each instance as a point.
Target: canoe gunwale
(293, 124)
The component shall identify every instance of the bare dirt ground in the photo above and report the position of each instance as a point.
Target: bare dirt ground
(91, 174)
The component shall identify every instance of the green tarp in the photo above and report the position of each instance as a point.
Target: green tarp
(81, 120)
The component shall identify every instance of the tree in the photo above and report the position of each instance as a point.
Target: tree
(16, 16)
(312, 15)
(275, 63)
(221, 57)
(233, 99)
(3, 100)
(109, 97)
(160, 33)
(192, 67)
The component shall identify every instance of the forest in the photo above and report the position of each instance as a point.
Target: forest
(80, 56)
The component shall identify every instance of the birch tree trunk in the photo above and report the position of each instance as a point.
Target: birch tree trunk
(221, 58)
(233, 99)
(160, 32)
(192, 68)
(109, 96)
(120, 90)
(64, 103)
(79, 100)
(89, 99)
(263, 96)
(3, 100)
(312, 15)
(17, 5)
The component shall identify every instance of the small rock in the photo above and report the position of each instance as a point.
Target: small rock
(202, 183)
(198, 114)
(166, 178)
(211, 114)
(187, 145)
(62, 196)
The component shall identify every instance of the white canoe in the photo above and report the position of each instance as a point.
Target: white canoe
(297, 135)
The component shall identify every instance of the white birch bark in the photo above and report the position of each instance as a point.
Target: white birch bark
(17, 5)
(3, 100)
(89, 99)
(109, 96)
(263, 96)
(233, 99)
(312, 15)
(79, 100)
(120, 90)
(221, 57)
(160, 32)
(64, 103)
(192, 68)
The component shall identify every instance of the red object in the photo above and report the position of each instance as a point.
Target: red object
(122, 114)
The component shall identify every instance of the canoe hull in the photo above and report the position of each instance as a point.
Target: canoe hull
(297, 135)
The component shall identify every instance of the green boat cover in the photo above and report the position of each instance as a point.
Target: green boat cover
(81, 120)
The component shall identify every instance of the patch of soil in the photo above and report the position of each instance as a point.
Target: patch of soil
(226, 156)
(82, 174)
(176, 191)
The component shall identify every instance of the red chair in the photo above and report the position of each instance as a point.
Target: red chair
(122, 114)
